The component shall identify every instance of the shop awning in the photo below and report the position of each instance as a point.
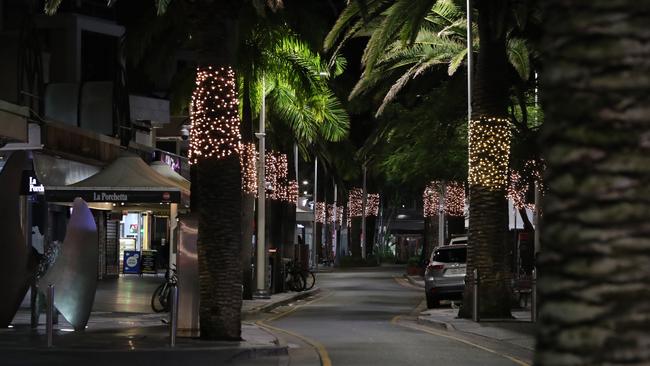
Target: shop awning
(128, 179)
(169, 173)
(13, 119)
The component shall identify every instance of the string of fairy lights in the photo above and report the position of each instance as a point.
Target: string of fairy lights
(214, 115)
(339, 213)
(355, 203)
(431, 199)
(320, 213)
(454, 199)
(489, 151)
(453, 203)
(521, 182)
(248, 161)
(278, 186)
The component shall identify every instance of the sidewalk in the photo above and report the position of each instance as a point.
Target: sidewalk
(518, 332)
(119, 335)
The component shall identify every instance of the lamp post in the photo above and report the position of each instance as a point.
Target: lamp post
(313, 230)
(364, 204)
(261, 292)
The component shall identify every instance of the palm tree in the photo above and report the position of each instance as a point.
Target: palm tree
(594, 289)
(281, 68)
(417, 35)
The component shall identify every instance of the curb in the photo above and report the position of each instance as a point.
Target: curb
(436, 323)
(412, 281)
(272, 305)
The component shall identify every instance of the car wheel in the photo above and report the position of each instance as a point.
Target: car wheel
(432, 301)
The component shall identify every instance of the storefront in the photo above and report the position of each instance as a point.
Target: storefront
(136, 207)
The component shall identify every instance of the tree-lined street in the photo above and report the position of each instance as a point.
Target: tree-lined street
(367, 317)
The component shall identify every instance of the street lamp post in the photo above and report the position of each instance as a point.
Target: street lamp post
(364, 204)
(261, 292)
(313, 231)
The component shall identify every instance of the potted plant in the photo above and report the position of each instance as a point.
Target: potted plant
(413, 267)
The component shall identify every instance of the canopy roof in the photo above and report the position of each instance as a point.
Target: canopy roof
(127, 179)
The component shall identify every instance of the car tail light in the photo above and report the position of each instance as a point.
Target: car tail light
(436, 267)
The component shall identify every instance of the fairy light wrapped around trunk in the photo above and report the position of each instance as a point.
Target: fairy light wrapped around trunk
(214, 115)
(320, 212)
(292, 192)
(454, 199)
(372, 206)
(489, 151)
(248, 161)
(270, 174)
(355, 203)
(521, 183)
(431, 199)
(282, 180)
(339, 214)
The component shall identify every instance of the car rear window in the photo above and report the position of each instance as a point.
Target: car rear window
(451, 255)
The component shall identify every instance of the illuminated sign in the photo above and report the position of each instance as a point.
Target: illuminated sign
(30, 184)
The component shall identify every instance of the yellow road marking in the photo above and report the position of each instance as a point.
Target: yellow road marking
(322, 351)
(516, 360)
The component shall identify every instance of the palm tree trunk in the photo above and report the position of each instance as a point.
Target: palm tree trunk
(487, 244)
(219, 239)
(594, 264)
(218, 178)
(354, 237)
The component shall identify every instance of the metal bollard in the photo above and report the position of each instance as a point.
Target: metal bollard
(173, 317)
(533, 298)
(49, 315)
(475, 304)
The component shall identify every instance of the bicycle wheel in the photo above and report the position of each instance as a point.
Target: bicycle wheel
(296, 283)
(157, 304)
(310, 279)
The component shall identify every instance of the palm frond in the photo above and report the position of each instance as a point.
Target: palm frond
(396, 17)
(51, 6)
(518, 56)
(417, 14)
(161, 6)
(335, 120)
(456, 62)
(355, 14)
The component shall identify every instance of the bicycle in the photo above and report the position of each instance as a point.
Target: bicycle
(298, 279)
(161, 297)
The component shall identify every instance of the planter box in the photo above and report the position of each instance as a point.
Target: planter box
(414, 271)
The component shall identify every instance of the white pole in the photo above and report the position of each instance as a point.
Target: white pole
(334, 233)
(537, 192)
(536, 219)
(261, 291)
(313, 233)
(441, 216)
(364, 203)
(469, 60)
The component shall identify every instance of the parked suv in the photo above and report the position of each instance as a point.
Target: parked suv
(444, 277)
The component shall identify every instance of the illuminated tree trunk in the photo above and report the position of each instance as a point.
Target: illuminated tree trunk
(218, 174)
(487, 244)
(594, 262)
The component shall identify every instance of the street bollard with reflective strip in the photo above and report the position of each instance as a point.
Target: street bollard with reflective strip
(173, 317)
(475, 303)
(49, 315)
(533, 298)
